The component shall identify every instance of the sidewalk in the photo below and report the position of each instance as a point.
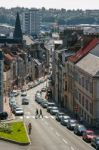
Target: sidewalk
(7, 108)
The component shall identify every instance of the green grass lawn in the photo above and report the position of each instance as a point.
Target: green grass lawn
(18, 132)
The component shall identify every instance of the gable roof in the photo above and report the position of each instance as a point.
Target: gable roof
(83, 51)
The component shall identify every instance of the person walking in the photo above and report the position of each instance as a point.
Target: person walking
(29, 128)
(40, 114)
(36, 114)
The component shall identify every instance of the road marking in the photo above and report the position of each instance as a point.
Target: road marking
(46, 117)
(52, 117)
(21, 117)
(33, 117)
(72, 148)
(65, 141)
(28, 117)
(28, 113)
(57, 134)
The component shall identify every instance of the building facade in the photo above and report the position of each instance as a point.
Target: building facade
(1, 80)
(31, 22)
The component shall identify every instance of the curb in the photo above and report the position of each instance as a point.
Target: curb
(27, 134)
(15, 142)
(11, 141)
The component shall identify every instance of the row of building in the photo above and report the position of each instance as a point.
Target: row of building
(75, 75)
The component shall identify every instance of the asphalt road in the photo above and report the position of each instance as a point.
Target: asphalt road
(47, 133)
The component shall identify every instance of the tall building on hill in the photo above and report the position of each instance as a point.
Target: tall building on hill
(17, 35)
(1, 80)
(31, 22)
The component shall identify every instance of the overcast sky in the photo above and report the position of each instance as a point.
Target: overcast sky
(67, 4)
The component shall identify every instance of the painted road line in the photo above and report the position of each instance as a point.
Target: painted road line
(21, 117)
(33, 117)
(28, 117)
(52, 117)
(46, 117)
(72, 148)
(65, 141)
(57, 134)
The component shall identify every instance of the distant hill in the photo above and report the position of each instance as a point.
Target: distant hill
(61, 16)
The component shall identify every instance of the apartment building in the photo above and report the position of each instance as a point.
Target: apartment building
(31, 22)
(83, 80)
(1, 80)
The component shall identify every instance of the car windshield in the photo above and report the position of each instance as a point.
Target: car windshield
(66, 117)
(54, 108)
(82, 128)
(60, 114)
(18, 109)
(97, 140)
(73, 121)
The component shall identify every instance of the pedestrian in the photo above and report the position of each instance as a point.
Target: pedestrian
(36, 114)
(40, 114)
(29, 128)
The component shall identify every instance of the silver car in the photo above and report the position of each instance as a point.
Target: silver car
(64, 120)
(54, 111)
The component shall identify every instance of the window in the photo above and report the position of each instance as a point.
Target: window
(82, 81)
(91, 108)
(86, 104)
(86, 85)
(83, 100)
(66, 86)
(90, 88)
(79, 97)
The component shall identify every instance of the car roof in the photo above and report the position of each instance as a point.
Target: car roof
(51, 103)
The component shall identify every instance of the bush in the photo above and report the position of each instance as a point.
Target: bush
(5, 128)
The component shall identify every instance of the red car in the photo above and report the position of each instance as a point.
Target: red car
(88, 135)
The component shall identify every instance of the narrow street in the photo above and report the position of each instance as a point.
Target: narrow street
(47, 133)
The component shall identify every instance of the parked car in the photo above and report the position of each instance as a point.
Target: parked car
(37, 96)
(15, 93)
(59, 115)
(12, 101)
(54, 110)
(44, 104)
(71, 124)
(64, 120)
(79, 129)
(3, 115)
(50, 105)
(25, 101)
(95, 142)
(43, 89)
(23, 93)
(13, 107)
(88, 135)
(40, 100)
(19, 111)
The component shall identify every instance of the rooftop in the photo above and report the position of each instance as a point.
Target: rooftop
(91, 60)
(84, 51)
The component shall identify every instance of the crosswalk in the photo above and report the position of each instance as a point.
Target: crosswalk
(33, 117)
